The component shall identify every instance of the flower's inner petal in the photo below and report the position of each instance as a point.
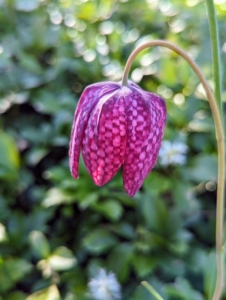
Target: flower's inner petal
(145, 122)
(87, 102)
(105, 139)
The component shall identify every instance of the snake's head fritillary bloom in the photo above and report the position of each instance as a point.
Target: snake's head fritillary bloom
(116, 126)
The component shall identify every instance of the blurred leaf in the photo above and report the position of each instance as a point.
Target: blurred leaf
(152, 181)
(50, 293)
(144, 264)
(120, 260)
(9, 157)
(124, 230)
(3, 234)
(154, 212)
(16, 296)
(204, 168)
(28, 61)
(111, 209)
(62, 259)
(59, 173)
(40, 244)
(35, 155)
(99, 241)
(183, 290)
(201, 125)
(210, 274)
(11, 271)
(28, 80)
(46, 102)
(56, 196)
(89, 201)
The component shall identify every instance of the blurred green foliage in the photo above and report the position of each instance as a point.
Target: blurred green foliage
(56, 232)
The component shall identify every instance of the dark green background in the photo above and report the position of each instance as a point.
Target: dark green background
(56, 232)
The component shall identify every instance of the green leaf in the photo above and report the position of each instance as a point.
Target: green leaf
(99, 241)
(210, 274)
(89, 200)
(144, 264)
(11, 271)
(16, 296)
(154, 212)
(56, 196)
(62, 259)
(204, 168)
(46, 102)
(120, 260)
(3, 234)
(9, 157)
(40, 244)
(50, 293)
(35, 155)
(111, 209)
(30, 62)
(183, 290)
(124, 230)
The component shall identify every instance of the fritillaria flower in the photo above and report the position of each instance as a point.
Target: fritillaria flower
(116, 126)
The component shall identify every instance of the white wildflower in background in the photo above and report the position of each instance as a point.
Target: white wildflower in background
(104, 286)
(173, 153)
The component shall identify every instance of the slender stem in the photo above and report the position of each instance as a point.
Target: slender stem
(220, 145)
(214, 37)
(152, 290)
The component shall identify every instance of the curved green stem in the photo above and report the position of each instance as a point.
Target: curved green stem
(215, 52)
(152, 290)
(220, 145)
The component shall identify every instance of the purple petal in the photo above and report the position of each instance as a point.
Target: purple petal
(146, 115)
(105, 138)
(87, 102)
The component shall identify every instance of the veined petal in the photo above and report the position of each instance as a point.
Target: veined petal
(145, 123)
(87, 102)
(105, 138)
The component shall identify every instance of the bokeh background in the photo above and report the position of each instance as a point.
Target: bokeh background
(55, 232)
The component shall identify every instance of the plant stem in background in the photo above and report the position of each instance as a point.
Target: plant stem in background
(216, 61)
(152, 290)
(214, 38)
(220, 144)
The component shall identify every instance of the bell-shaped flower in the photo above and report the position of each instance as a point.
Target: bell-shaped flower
(116, 126)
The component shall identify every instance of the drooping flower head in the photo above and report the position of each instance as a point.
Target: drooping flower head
(116, 126)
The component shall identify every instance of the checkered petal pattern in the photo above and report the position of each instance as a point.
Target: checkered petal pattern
(90, 97)
(117, 126)
(146, 116)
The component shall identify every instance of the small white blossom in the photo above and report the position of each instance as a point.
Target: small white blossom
(104, 286)
(173, 153)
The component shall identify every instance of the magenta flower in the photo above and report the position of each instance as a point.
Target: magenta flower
(117, 126)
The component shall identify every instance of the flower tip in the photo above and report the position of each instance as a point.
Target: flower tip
(74, 173)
